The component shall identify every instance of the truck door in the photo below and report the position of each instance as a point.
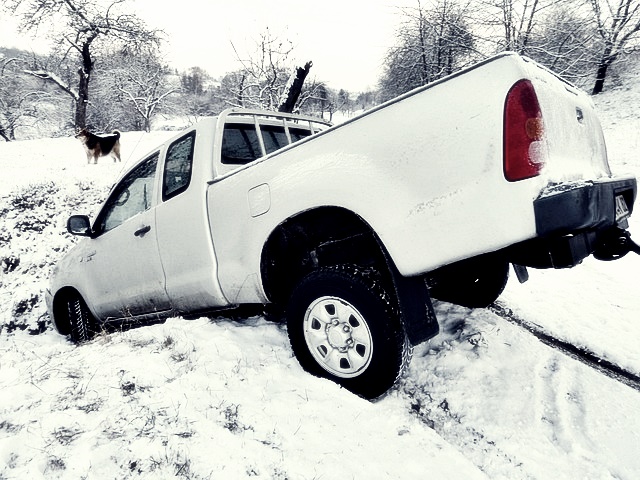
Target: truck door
(184, 237)
(127, 277)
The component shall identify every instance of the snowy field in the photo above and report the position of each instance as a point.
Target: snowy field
(225, 399)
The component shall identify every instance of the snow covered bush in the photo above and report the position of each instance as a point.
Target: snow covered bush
(33, 217)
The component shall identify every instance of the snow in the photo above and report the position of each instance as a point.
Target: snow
(224, 398)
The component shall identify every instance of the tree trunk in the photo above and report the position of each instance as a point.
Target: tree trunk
(82, 100)
(601, 74)
(607, 58)
(84, 73)
(3, 134)
(295, 89)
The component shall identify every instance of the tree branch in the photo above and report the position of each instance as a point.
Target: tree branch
(55, 79)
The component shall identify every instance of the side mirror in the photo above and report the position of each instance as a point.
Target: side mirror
(79, 225)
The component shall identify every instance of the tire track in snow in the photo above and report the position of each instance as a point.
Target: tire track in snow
(581, 354)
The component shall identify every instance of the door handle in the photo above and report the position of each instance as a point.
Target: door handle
(141, 231)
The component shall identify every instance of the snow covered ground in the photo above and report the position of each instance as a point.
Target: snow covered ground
(207, 399)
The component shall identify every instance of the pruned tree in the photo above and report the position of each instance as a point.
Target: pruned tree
(80, 28)
(431, 43)
(268, 80)
(294, 88)
(261, 81)
(618, 24)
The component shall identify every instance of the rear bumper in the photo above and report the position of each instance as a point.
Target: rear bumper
(573, 221)
(590, 206)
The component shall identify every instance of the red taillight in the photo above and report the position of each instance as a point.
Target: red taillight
(523, 133)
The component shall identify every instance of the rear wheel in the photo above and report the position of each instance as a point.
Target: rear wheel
(343, 326)
(83, 325)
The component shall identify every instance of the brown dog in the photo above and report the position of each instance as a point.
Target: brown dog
(98, 146)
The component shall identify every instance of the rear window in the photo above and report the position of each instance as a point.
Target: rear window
(240, 142)
(274, 137)
(298, 134)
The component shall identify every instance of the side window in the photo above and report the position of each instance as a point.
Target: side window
(133, 195)
(178, 166)
(240, 144)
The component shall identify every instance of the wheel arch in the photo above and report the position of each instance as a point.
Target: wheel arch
(323, 236)
(330, 236)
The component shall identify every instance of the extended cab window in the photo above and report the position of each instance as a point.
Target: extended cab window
(177, 167)
(133, 195)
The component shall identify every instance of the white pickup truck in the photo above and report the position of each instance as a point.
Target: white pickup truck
(350, 230)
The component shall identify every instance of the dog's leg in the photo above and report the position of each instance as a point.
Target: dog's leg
(116, 153)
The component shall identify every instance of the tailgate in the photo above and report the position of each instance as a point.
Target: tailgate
(575, 145)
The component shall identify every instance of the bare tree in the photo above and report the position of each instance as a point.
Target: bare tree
(261, 81)
(518, 20)
(143, 82)
(267, 79)
(566, 42)
(83, 25)
(513, 24)
(572, 38)
(194, 81)
(199, 95)
(431, 43)
(618, 26)
(18, 99)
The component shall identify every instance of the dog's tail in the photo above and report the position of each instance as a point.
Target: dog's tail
(116, 133)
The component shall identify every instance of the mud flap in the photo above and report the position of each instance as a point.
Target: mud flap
(416, 309)
(521, 272)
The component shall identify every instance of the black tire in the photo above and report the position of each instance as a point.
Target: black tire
(343, 326)
(83, 326)
(474, 283)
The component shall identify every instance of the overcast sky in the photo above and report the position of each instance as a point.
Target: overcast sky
(345, 39)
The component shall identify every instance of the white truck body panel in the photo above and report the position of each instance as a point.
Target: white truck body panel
(423, 189)
(186, 247)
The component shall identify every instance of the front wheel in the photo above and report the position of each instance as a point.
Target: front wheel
(83, 326)
(343, 326)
